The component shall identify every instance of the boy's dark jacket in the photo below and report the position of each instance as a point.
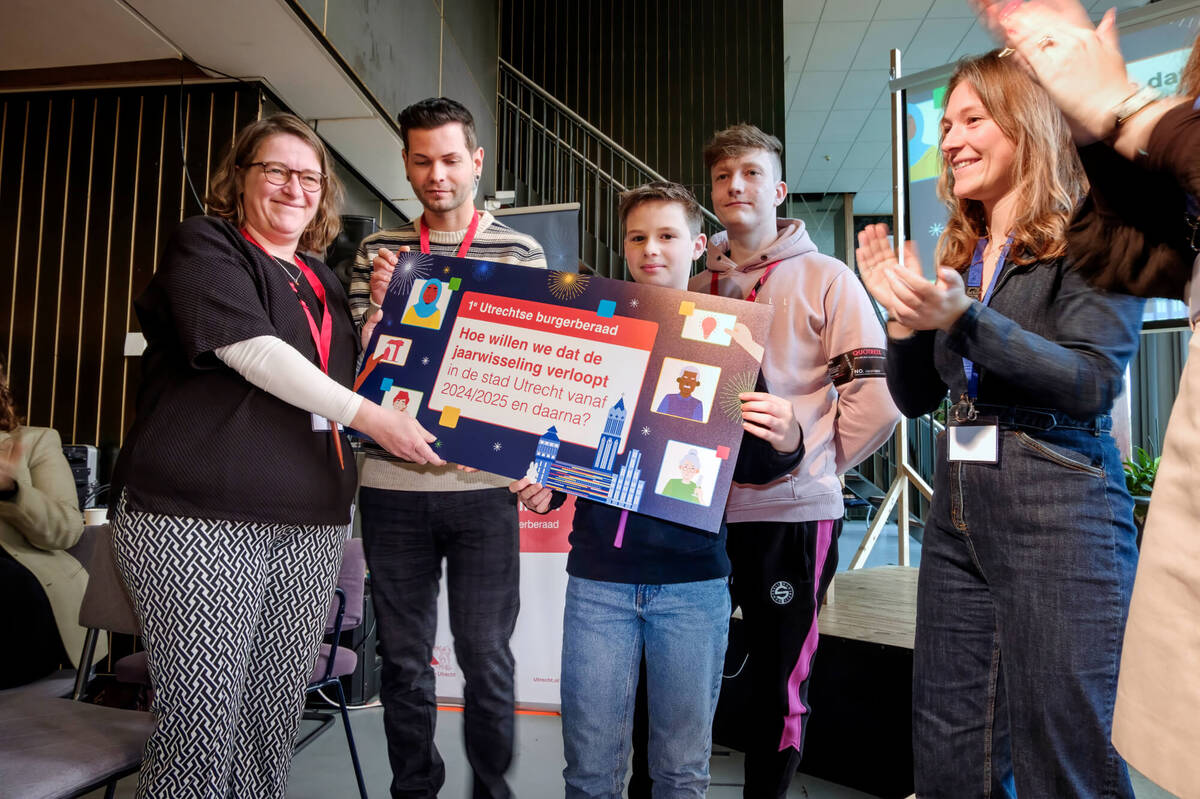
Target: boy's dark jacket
(655, 551)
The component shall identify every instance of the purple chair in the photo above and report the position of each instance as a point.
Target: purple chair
(335, 662)
(54, 748)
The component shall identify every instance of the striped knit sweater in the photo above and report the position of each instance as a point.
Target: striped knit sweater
(494, 242)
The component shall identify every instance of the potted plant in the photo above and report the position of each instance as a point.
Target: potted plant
(1139, 479)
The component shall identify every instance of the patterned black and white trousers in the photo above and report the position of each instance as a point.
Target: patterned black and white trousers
(232, 615)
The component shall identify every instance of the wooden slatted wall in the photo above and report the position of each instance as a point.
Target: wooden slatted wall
(91, 185)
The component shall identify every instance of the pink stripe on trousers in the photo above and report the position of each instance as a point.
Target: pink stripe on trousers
(793, 732)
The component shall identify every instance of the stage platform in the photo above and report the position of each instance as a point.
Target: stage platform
(877, 605)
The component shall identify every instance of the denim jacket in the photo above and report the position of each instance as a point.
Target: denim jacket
(1045, 340)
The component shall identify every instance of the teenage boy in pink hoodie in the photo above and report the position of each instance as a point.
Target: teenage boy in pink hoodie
(824, 353)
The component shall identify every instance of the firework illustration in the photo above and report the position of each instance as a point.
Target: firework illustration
(411, 267)
(567, 285)
(728, 400)
(483, 271)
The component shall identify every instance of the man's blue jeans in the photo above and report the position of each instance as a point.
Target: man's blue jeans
(684, 628)
(1026, 571)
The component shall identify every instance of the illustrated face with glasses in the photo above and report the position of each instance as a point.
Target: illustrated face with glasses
(278, 209)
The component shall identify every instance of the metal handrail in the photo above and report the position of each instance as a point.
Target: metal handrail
(564, 109)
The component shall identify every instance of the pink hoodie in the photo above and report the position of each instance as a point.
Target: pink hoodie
(821, 312)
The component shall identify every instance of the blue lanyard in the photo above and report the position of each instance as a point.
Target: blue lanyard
(974, 281)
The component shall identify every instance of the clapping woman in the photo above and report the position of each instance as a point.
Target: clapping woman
(1029, 555)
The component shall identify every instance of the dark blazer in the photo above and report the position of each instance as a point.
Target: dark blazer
(1131, 233)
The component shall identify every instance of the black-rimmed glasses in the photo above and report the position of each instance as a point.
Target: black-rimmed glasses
(281, 174)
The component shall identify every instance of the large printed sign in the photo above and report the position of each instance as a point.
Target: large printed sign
(620, 393)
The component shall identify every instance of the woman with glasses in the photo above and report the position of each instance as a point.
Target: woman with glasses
(235, 483)
(1028, 557)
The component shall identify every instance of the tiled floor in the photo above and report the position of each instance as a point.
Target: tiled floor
(323, 771)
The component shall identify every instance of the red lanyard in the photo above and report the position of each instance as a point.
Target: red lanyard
(754, 291)
(467, 241)
(322, 336)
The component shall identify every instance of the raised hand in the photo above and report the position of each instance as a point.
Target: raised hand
(1080, 67)
(922, 305)
(382, 267)
(877, 260)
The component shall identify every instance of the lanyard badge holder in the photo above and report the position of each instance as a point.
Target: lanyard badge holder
(322, 336)
(972, 438)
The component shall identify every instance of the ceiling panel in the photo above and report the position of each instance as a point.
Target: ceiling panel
(903, 9)
(850, 10)
(881, 37)
(843, 126)
(867, 153)
(976, 42)
(817, 90)
(873, 202)
(935, 44)
(796, 157)
(878, 127)
(849, 179)
(805, 125)
(861, 89)
(803, 10)
(815, 181)
(797, 38)
(836, 44)
(949, 9)
(828, 155)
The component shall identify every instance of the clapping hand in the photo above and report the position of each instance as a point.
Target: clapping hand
(1079, 65)
(911, 301)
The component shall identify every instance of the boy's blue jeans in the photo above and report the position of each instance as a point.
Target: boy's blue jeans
(684, 628)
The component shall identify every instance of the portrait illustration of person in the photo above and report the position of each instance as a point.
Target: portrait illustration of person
(686, 487)
(425, 311)
(682, 403)
(400, 401)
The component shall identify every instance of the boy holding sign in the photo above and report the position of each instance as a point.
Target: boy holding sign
(640, 582)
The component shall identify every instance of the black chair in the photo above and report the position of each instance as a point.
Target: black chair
(56, 748)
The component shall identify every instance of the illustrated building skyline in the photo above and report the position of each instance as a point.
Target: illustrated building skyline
(623, 489)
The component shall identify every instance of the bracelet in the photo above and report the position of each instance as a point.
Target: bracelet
(1141, 97)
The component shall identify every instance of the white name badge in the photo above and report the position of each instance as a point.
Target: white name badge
(974, 442)
(321, 424)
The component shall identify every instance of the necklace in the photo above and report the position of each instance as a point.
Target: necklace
(287, 270)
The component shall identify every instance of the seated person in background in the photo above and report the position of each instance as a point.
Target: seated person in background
(39, 518)
(638, 582)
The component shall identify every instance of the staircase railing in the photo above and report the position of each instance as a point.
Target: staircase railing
(549, 154)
